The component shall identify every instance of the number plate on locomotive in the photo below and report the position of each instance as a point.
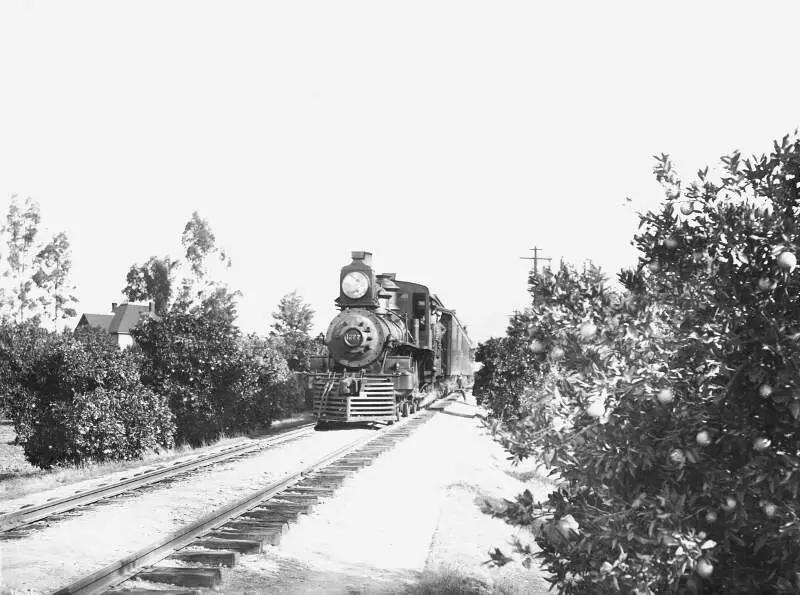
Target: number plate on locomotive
(352, 337)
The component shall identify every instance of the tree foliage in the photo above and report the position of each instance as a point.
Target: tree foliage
(78, 398)
(490, 355)
(218, 302)
(54, 266)
(20, 232)
(152, 280)
(36, 279)
(196, 291)
(508, 369)
(20, 345)
(199, 243)
(286, 394)
(214, 383)
(290, 331)
(670, 411)
(293, 315)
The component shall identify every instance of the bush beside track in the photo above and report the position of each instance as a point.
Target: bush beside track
(670, 410)
(215, 380)
(77, 397)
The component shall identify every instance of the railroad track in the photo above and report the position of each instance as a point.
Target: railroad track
(198, 549)
(31, 514)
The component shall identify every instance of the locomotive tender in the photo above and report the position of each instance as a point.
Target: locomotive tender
(392, 348)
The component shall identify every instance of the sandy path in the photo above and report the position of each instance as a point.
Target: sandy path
(410, 523)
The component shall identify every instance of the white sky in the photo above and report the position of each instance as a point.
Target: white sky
(445, 137)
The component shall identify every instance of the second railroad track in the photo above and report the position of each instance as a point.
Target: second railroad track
(31, 514)
(198, 549)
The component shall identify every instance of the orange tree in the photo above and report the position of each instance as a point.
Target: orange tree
(507, 370)
(215, 380)
(78, 398)
(670, 412)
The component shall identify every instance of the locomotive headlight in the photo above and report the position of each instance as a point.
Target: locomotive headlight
(355, 285)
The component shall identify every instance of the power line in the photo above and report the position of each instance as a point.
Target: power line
(536, 258)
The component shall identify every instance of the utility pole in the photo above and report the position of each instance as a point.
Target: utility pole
(536, 258)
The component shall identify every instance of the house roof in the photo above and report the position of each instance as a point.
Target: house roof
(126, 317)
(102, 321)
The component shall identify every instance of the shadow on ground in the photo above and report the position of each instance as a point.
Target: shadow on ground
(450, 582)
(18, 474)
(292, 576)
(335, 426)
(289, 575)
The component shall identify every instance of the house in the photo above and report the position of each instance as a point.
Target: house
(102, 321)
(119, 323)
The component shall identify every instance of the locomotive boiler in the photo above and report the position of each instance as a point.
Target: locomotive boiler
(392, 348)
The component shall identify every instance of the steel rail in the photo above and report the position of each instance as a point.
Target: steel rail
(123, 569)
(31, 514)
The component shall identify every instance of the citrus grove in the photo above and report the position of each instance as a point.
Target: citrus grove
(667, 409)
(191, 377)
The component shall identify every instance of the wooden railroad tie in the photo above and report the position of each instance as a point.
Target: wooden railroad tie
(260, 537)
(278, 524)
(209, 557)
(153, 592)
(320, 490)
(274, 513)
(243, 546)
(208, 578)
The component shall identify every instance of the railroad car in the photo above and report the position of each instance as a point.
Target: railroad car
(392, 348)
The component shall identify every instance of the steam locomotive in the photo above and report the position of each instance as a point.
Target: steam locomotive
(392, 348)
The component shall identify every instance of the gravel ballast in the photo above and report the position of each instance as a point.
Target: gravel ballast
(59, 551)
(412, 522)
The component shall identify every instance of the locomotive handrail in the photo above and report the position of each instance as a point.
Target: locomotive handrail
(404, 319)
(323, 400)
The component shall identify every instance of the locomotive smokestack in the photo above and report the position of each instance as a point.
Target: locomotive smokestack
(361, 256)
